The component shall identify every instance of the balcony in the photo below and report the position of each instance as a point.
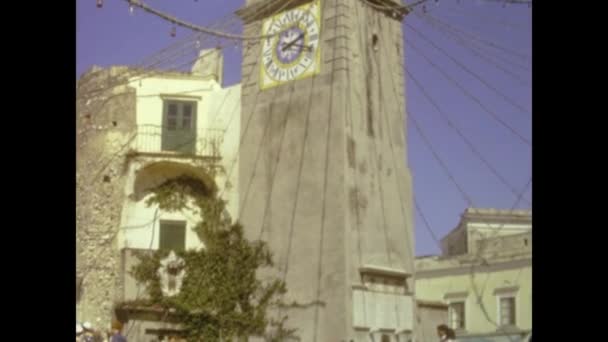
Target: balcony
(155, 140)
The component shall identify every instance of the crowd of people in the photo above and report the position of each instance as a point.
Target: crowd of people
(86, 333)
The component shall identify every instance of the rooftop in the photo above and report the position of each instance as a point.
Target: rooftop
(497, 212)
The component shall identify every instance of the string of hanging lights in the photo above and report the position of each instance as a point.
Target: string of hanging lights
(177, 22)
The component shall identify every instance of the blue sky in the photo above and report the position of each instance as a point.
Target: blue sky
(491, 41)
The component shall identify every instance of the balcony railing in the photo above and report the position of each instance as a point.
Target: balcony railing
(154, 139)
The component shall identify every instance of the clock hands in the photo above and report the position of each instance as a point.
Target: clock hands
(288, 45)
(307, 48)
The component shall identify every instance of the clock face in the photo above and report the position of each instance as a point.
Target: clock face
(293, 50)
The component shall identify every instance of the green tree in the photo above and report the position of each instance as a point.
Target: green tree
(221, 297)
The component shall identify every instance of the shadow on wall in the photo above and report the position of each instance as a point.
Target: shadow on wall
(154, 174)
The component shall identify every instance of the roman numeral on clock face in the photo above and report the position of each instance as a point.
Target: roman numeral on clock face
(292, 73)
(292, 54)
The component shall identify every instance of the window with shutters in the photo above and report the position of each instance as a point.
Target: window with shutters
(179, 126)
(507, 311)
(172, 235)
(456, 314)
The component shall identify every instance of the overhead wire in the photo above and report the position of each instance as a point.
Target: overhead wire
(151, 72)
(139, 73)
(252, 112)
(472, 45)
(500, 19)
(371, 58)
(158, 72)
(469, 144)
(418, 129)
(176, 21)
(469, 71)
(514, 2)
(253, 107)
(383, 113)
(372, 146)
(475, 51)
(328, 134)
(278, 156)
(426, 224)
(325, 187)
(470, 203)
(243, 205)
(396, 94)
(406, 7)
(225, 22)
(459, 11)
(477, 259)
(474, 98)
(155, 214)
(483, 41)
(148, 71)
(127, 144)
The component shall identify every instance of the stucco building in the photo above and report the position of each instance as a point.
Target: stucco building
(322, 171)
(484, 275)
(135, 130)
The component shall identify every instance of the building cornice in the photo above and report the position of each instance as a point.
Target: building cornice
(431, 304)
(496, 216)
(464, 269)
(384, 271)
(264, 9)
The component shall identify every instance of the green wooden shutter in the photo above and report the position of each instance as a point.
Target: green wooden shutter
(172, 235)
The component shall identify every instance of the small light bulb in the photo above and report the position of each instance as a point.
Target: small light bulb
(99, 3)
(173, 33)
(198, 43)
(131, 9)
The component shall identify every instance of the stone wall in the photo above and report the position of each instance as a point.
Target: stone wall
(105, 125)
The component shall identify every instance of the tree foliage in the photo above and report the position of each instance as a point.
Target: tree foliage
(220, 296)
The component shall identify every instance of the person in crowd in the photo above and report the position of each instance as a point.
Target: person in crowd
(117, 332)
(446, 334)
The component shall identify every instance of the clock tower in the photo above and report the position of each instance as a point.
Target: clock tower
(323, 171)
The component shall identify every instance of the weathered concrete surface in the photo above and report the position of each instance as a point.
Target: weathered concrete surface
(323, 173)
